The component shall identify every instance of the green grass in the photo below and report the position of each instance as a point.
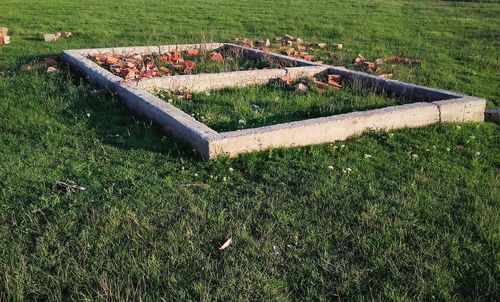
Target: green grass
(397, 227)
(256, 106)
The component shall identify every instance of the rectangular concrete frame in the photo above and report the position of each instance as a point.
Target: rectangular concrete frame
(431, 105)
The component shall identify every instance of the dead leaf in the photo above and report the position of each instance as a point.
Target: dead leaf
(320, 84)
(215, 56)
(393, 59)
(359, 59)
(286, 80)
(101, 57)
(334, 78)
(165, 58)
(67, 34)
(189, 65)
(165, 70)
(111, 60)
(226, 244)
(245, 42)
(192, 52)
(130, 74)
(176, 56)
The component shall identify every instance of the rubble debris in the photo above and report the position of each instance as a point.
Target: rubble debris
(286, 80)
(55, 36)
(301, 88)
(403, 61)
(50, 37)
(256, 107)
(216, 56)
(359, 59)
(4, 35)
(42, 64)
(192, 52)
(69, 186)
(245, 42)
(226, 244)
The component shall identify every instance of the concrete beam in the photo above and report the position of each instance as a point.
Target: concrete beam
(323, 130)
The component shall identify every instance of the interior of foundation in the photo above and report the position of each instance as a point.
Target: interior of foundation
(278, 102)
(185, 62)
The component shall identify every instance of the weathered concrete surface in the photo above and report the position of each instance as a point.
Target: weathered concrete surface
(212, 81)
(140, 50)
(465, 109)
(92, 51)
(323, 130)
(305, 71)
(145, 50)
(184, 47)
(391, 87)
(94, 73)
(259, 54)
(492, 115)
(215, 81)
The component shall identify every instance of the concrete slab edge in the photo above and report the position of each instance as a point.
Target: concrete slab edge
(323, 130)
(214, 81)
(144, 50)
(411, 91)
(256, 53)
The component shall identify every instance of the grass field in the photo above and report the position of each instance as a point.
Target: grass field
(256, 106)
(409, 215)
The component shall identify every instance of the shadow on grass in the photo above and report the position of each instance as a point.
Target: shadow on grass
(115, 126)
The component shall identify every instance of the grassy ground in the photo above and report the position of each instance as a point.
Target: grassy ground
(418, 220)
(251, 107)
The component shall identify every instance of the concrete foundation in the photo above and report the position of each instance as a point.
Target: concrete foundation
(431, 105)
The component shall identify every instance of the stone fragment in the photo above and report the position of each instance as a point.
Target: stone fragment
(301, 88)
(4, 37)
(50, 37)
